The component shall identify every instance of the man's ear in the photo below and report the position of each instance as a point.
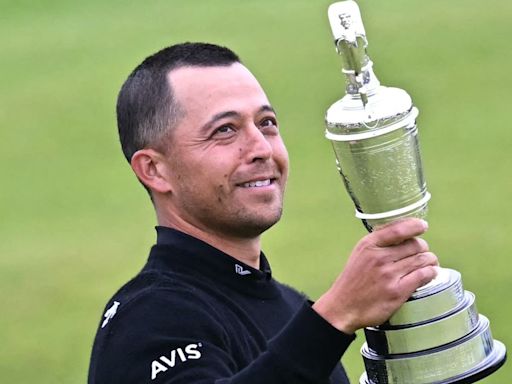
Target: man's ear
(152, 170)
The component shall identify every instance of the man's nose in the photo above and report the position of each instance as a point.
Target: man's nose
(257, 146)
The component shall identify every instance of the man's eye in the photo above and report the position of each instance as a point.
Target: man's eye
(269, 123)
(224, 129)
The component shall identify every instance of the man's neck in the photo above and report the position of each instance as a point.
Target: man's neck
(247, 250)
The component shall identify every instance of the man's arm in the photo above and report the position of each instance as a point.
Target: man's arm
(186, 343)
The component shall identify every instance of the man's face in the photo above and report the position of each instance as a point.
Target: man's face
(226, 160)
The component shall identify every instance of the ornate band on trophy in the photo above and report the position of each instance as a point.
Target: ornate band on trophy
(395, 212)
(409, 122)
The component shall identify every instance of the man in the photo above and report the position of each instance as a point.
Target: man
(202, 137)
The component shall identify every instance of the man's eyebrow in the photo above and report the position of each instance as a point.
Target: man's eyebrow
(223, 115)
(217, 117)
(267, 108)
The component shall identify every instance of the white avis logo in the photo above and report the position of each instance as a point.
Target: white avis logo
(163, 363)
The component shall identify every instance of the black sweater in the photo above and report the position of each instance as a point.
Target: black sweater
(195, 315)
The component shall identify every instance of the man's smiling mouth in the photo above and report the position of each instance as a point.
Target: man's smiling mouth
(257, 183)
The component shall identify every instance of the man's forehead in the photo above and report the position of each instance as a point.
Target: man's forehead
(204, 84)
(235, 74)
(191, 72)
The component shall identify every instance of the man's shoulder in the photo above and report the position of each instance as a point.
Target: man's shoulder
(152, 294)
(152, 305)
(150, 316)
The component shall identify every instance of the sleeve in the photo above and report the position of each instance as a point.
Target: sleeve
(170, 340)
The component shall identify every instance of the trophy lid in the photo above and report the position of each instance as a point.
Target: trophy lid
(350, 115)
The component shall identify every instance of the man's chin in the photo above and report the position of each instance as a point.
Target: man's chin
(250, 227)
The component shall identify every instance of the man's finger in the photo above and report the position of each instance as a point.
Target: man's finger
(419, 277)
(399, 231)
(408, 248)
(409, 264)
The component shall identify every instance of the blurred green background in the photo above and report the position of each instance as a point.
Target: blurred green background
(75, 224)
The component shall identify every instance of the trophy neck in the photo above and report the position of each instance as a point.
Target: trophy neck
(351, 43)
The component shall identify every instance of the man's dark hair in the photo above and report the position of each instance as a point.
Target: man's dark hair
(146, 108)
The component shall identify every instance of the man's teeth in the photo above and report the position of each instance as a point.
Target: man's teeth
(259, 183)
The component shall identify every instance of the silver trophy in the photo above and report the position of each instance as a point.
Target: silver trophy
(437, 336)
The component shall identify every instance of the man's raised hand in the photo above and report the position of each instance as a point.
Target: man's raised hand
(384, 269)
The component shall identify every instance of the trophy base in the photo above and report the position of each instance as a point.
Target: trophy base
(436, 337)
(422, 368)
(489, 366)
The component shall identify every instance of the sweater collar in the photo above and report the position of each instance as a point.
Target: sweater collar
(179, 252)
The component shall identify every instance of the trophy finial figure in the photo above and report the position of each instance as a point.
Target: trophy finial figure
(345, 20)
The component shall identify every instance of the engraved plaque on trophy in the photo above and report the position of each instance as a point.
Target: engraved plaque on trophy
(437, 336)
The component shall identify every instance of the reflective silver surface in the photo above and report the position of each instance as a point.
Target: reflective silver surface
(396, 340)
(373, 132)
(431, 301)
(437, 336)
(447, 364)
(383, 173)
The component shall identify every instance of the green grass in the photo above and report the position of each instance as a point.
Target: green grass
(75, 224)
